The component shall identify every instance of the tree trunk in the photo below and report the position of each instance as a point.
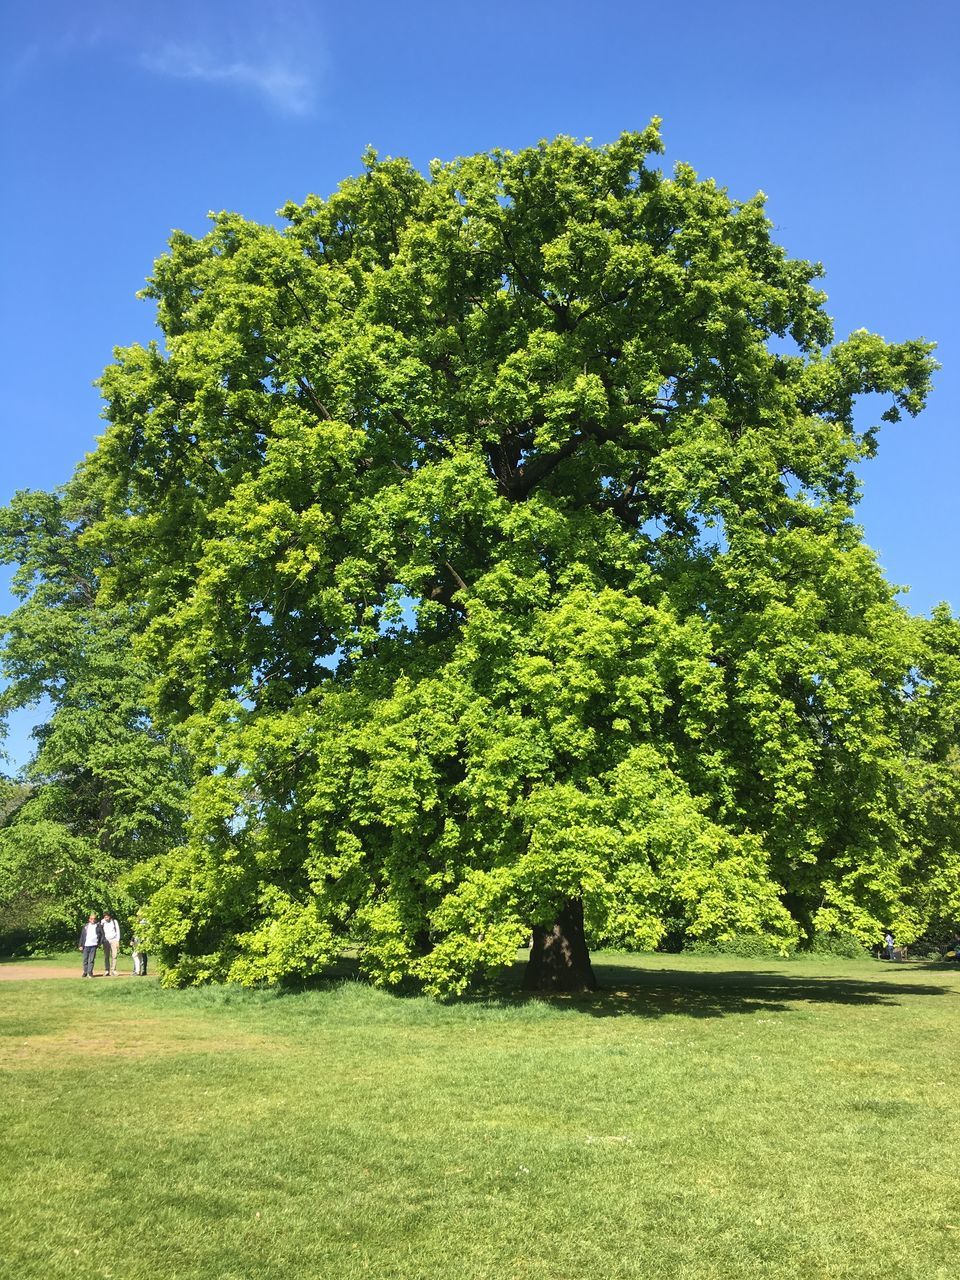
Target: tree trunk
(559, 959)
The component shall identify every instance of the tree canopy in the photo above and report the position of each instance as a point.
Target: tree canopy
(105, 788)
(490, 536)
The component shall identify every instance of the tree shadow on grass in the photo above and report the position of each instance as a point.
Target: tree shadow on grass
(655, 993)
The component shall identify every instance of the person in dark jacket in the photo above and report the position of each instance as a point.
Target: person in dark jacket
(91, 937)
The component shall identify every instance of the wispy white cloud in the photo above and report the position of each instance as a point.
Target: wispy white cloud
(275, 50)
(286, 87)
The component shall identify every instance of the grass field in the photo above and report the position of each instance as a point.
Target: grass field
(704, 1117)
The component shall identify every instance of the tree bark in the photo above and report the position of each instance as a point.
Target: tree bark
(559, 959)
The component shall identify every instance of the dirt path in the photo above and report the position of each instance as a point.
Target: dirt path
(20, 972)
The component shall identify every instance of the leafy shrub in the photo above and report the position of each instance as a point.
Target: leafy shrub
(844, 945)
(752, 946)
(14, 941)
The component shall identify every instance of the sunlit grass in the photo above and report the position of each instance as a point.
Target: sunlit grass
(703, 1117)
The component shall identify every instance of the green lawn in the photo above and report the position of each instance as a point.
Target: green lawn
(71, 962)
(66, 960)
(705, 1117)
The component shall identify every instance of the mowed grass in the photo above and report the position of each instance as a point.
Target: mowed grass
(68, 961)
(702, 1117)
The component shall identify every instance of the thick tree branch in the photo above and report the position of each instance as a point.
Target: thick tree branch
(461, 585)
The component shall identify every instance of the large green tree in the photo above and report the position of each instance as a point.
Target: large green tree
(493, 532)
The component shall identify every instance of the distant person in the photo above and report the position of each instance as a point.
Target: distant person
(111, 944)
(139, 951)
(91, 936)
(889, 945)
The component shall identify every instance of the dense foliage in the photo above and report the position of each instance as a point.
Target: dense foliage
(492, 538)
(104, 789)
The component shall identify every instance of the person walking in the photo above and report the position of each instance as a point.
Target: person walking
(889, 945)
(111, 944)
(139, 949)
(91, 936)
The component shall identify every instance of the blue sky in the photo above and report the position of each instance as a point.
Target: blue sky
(122, 121)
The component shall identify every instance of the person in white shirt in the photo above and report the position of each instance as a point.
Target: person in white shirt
(91, 936)
(138, 948)
(111, 944)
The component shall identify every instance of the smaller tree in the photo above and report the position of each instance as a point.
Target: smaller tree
(104, 789)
